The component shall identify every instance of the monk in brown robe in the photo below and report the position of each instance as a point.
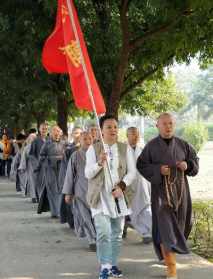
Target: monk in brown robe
(166, 161)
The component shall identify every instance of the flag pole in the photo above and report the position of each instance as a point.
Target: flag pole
(71, 15)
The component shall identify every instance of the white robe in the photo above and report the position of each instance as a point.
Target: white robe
(141, 217)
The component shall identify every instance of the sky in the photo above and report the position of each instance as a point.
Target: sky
(193, 67)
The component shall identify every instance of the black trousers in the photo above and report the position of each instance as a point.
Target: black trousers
(1, 167)
(6, 164)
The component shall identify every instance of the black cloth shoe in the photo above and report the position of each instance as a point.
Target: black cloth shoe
(147, 240)
(92, 247)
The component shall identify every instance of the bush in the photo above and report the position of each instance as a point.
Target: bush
(196, 134)
(202, 230)
(210, 131)
(150, 133)
(122, 135)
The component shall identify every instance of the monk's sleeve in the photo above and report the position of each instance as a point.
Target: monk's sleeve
(23, 162)
(33, 149)
(146, 167)
(43, 156)
(192, 161)
(62, 171)
(68, 187)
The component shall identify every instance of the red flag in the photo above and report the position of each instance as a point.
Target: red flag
(62, 54)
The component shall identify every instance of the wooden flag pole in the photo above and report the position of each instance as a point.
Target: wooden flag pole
(71, 15)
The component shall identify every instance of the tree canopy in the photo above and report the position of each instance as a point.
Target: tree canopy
(129, 42)
(154, 97)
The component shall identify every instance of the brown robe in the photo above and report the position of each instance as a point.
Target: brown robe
(171, 204)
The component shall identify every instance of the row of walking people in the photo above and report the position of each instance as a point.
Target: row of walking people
(98, 187)
(51, 171)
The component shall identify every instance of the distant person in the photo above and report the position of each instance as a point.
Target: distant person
(6, 152)
(93, 130)
(50, 158)
(15, 173)
(141, 217)
(27, 167)
(70, 148)
(166, 161)
(34, 152)
(75, 189)
(66, 215)
(39, 140)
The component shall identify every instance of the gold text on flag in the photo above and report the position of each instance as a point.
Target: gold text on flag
(72, 51)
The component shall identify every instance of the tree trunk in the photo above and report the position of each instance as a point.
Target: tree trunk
(114, 100)
(62, 112)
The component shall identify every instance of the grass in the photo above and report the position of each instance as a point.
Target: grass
(202, 232)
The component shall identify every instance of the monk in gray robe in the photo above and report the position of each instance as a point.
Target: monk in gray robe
(15, 173)
(26, 168)
(35, 149)
(51, 155)
(166, 161)
(75, 190)
(66, 215)
(93, 130)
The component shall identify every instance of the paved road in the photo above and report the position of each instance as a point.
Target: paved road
(201, 185)
(36, 247)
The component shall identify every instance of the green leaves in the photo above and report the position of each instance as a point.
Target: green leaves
(159, 33)
(154, 97)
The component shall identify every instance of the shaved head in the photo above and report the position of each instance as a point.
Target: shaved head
(43, 129)
(166, 125)
(86, 139)
(165, 115)
(76, 133)
(133, 136)
(56, 132)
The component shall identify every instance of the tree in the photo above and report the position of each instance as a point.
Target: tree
(128, 41)
(29, 93)
(198, 86)
(154, 97)
(201, 94)
(135, 39)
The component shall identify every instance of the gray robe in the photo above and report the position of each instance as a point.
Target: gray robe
(171, 205)
(14, 173)
(36, 146)
(39, 179)
(51, 155)
(66, 215)
(76, 184)
(27, 166)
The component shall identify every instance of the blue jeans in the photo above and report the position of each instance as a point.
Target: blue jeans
(108, 238)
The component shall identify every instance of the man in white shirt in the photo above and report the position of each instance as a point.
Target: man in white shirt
(108, 193)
